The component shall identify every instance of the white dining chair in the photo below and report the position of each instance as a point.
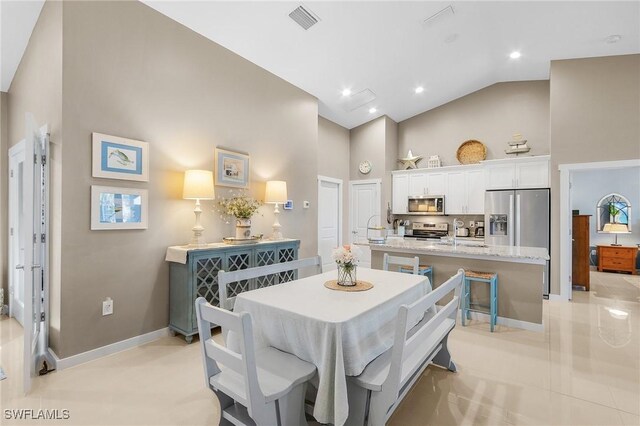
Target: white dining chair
(378, 390)
(256, 387)
(412, 262)
(227, 277)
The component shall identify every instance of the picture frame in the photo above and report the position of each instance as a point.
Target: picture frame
(118, 208)
(288, 205)
(231, 168)
(119, 158)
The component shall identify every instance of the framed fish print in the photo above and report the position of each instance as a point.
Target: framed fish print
(232, 168)
(118, 208)
(120, 158)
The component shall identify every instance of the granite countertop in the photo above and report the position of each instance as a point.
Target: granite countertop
(505, 253)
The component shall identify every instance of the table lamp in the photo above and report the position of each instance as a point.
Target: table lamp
(276, 193)
(615, 228)
(198, 185)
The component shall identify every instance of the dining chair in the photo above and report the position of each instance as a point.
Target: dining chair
(226, 277)
(378, 390)
(412, 262)
(257, 386)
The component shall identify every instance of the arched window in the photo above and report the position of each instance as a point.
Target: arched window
(613, 208)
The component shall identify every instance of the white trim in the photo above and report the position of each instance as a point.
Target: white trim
(509, 322)
(123, 345)
(14, 151)
(566, 224)
(557, 298)
(340, 184)
(365, 181)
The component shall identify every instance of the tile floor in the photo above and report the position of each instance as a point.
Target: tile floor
(583, 370)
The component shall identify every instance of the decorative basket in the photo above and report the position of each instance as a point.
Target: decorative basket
(433, 162)
(471, 151)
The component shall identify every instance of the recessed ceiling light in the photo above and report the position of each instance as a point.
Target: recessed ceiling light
(346, 92)
(419, 89)
(372, 110)
(515, 55)
(614, 38)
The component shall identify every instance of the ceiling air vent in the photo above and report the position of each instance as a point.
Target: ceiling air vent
(304, 17)
(440, 16)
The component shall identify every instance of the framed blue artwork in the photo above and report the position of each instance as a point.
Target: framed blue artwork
(118, 208)
(120, 158)
(232, 168)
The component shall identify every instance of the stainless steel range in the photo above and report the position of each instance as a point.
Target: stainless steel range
(429, 231)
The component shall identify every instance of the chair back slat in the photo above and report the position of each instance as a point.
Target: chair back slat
(419, 307)
(226, 357)
(227, 277)
(426, 329)
(412, 262)
(243, 362)
(392, 384)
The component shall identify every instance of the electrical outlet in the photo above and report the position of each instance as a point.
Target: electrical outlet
(107, 307)
(305, 204)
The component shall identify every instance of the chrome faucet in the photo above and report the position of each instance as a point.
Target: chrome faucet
(457, 223)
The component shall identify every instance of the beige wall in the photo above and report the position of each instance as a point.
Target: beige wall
(37, 88)
(333, 161)
(391, 161)
(130, 71)
(491, 115)
(595, 116)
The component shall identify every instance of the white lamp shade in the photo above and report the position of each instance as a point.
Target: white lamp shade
(276, 192)
(615, 228)
(198, 185)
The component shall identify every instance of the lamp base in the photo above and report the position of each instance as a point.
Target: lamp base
(197, 240)
(277, 234)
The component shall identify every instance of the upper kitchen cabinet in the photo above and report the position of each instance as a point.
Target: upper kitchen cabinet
(512, 173)
(465, 192)
(428, 183)
(399, 193)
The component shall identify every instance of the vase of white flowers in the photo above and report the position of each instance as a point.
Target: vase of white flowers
(242, 207)
(346, 257)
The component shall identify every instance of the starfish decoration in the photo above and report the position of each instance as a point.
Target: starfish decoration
(409, 162)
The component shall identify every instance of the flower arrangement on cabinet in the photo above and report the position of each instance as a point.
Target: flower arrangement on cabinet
(242, 207)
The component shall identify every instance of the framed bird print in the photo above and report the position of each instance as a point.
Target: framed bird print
(120, 158)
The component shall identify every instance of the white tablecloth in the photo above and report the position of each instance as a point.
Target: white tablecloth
(340, 332)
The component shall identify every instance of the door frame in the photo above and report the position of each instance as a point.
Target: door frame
(352, 183)
(340, 184)
(566, 224)
(12, 200)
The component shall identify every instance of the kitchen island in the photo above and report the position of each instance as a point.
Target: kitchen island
(521, 273)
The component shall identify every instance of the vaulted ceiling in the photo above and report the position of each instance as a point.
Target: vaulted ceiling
(382, 51)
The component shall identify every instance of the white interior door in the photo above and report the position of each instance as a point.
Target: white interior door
(31, 209)
(329, 219)
(16, 232)
(364, 203)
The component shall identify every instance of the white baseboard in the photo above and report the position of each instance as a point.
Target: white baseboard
(557, 298)
(509, 322)
(123, 345)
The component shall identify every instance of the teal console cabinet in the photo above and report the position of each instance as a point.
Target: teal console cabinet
(194, 273)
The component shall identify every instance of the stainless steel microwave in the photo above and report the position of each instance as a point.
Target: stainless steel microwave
(426, 205)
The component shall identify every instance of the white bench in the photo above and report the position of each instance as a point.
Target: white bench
(225, 278)
(375, 394)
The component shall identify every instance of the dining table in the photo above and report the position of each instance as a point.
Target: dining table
(340, 332)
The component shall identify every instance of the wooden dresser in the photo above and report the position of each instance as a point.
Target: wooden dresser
(580, 251)
(617, 258)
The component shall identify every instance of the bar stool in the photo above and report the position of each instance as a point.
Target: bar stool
(490, 278)
(425, 270)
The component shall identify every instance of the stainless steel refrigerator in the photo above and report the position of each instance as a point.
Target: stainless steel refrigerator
(518, 218)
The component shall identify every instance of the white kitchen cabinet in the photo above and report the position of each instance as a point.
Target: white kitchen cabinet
(465, 192)
(399, 193)
(532, 174)
(528, 172)
(475, 191)
(436, 183)
(418, 184)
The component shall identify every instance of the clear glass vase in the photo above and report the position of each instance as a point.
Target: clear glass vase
(347, 274)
